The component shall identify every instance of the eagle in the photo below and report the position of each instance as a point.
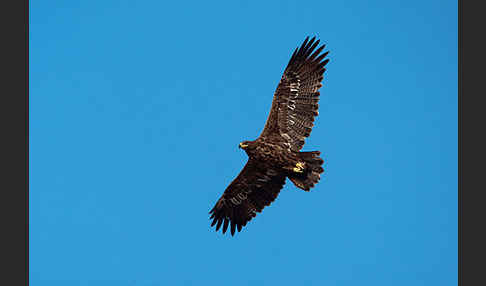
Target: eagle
(275, 155)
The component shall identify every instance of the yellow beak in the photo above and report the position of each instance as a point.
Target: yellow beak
(242, 145)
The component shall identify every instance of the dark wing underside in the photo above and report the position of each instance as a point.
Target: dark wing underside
(253, 189)
(295, 102)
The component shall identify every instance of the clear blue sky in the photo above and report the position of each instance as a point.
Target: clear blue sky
(137, 107)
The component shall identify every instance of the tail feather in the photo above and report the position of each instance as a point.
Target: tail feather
(312, 171)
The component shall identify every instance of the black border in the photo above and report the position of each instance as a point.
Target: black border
(14, 112)
(472, 143)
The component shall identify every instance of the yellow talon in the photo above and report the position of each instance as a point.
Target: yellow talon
(299, 167)
(297, 170)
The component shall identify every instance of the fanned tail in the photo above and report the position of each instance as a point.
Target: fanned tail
(312, 171)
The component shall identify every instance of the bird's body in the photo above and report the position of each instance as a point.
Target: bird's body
(270, 152)
(275, 155)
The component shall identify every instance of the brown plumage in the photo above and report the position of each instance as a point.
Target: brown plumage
(275, 155)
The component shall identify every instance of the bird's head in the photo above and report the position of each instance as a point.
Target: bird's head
(245, 145)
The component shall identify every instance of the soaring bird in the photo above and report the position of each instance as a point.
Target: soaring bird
(275, 155)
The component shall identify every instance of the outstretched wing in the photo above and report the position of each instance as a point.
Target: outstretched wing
(295, 102)
(253, 189)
